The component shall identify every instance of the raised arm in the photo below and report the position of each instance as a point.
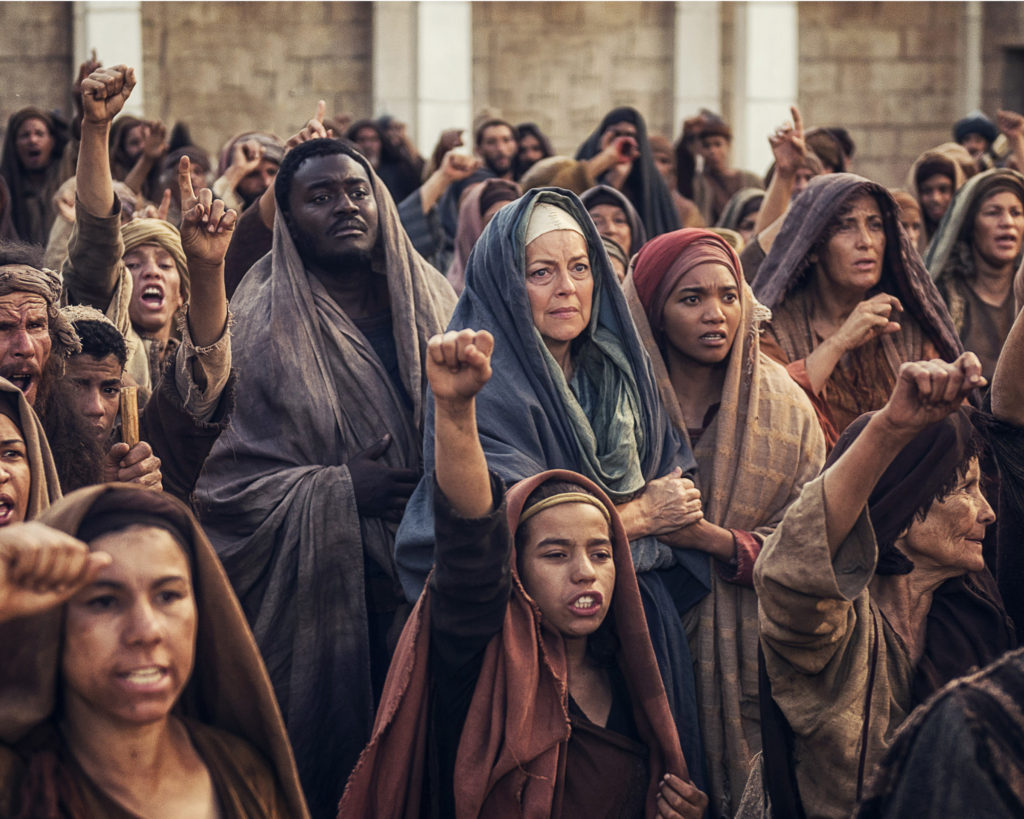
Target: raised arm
(104, 93)
(454, 168)
(789, 150)
(153, 149)
(925, 392)
(458, 366)
(206, 227)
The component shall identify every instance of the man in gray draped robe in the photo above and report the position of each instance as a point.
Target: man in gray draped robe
(302, 494)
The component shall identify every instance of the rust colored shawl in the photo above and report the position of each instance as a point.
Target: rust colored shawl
(514, 740)
(864, 378)
(752, 460)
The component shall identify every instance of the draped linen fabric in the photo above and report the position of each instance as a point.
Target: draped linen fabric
(276, 495)
(762, 446)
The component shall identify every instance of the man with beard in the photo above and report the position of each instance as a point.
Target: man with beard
(248, 164)
(301, 495)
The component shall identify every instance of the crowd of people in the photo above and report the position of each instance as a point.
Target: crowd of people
(340, 481)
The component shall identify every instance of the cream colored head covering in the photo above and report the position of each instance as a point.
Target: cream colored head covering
(546, 217)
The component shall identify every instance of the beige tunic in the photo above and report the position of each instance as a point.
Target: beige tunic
(838, 671)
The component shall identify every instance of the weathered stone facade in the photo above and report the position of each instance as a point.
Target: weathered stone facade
(35, 57)
(888, 72)
(891, 72)
(565, 65)
(227, 67)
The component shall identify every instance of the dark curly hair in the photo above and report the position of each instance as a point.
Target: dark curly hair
(100, 339)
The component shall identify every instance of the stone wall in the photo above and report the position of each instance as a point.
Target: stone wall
(1003, 28)
(565, 65)
(888, 72)
(225, 67)
(41, 77)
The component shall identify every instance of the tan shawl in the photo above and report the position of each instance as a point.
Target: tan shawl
(275, 494)
(763, 445)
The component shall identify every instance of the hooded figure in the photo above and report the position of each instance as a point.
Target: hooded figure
(521, 741)
(644, 186)
(606, 422)
(948, 160)
(761, 446)
(276, 495)
(227, 706)
(864, 377)
(475, 204)
(32, 190)
(952, 261)
(607, 195)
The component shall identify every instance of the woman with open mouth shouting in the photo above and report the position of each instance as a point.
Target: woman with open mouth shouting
(526, 673)
(975, 252)
(130, 684)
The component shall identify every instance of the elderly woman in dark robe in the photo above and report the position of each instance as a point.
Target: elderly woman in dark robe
(526, 674)
(756, 440)
(638, 177)
(573, 389)
(873, 591)
(131, 683)
(850, 299)
(973, 257)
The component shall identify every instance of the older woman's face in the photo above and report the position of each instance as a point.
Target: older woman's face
(559, 285)
(15, 473)
(611, 222)
(702, 315)
(998, 229)
(566, 565)
(951, 534)
(130, 635)
(852, 259)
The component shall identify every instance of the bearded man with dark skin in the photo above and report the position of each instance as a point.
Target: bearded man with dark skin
(302, 493)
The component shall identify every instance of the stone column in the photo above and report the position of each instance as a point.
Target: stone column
(114, 29)
(422, 66)
(767, 52)
(698, 60)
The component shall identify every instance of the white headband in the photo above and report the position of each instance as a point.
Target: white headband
(546, 217)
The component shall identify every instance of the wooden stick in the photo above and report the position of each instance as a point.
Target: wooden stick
(130, 415)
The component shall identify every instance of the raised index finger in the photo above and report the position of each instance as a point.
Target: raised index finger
(185, 181)
(321, 111)
(798, 121)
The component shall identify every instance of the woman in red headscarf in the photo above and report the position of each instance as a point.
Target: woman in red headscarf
(756, 439)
